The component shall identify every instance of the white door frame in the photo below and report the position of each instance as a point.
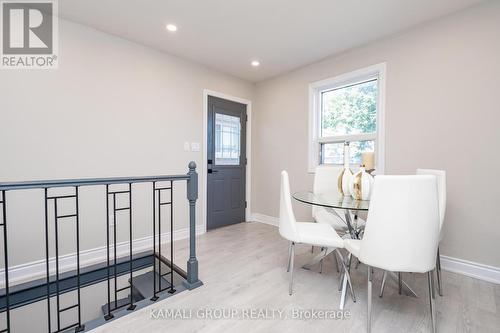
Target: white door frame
(248, 103)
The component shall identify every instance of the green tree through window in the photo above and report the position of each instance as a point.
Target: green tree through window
(346, 111)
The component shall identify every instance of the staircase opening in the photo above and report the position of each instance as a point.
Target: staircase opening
(124, 280)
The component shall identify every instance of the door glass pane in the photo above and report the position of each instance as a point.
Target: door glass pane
(227, 139)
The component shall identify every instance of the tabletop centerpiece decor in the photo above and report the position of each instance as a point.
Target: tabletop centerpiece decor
(361, 184)
(346, 173)
(368, 160)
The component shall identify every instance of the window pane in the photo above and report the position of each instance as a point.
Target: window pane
(333, 153)
(349, 110)
(227, 139)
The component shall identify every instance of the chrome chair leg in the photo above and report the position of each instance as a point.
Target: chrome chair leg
(292, 256)
(342, 271)
(336, 263)
(431, 301)
(438, 271)
(322, 260)
(343, 294)
(369, 302)
(348, 272)
(382, 286)
(289, 256)
(433, 284)
(400, 283)
(342, 274)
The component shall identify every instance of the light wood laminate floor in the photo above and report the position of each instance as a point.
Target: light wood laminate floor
(244, 266)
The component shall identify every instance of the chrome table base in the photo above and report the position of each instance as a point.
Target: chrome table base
(318, 258)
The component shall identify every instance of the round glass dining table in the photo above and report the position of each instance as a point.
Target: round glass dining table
(336, 200)
(331, 200)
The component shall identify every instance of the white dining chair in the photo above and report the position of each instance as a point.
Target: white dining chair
(441, 187)
(402, 231)
(317, 234)
(326, 181)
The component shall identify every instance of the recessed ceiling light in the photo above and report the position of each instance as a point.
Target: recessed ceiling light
(255, 63)
(171, 27)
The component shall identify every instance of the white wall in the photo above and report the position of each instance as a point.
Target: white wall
(442, 111)
(113, 108)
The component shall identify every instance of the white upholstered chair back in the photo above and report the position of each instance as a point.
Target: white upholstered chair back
(441, 184)
(287, 222)
(325, 181)
(402, 229)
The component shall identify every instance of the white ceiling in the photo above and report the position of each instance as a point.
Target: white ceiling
(283, 34)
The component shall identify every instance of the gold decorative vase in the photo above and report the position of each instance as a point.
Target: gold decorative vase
(346, 173)
(361, 184)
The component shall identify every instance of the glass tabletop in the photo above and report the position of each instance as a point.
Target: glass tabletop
(331, 200)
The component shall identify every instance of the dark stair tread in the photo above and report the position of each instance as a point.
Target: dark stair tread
(143, 284)
(120, 304)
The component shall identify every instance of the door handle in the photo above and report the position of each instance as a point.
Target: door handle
(212, 171)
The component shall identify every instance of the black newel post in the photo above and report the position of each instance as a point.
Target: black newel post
(192, 195)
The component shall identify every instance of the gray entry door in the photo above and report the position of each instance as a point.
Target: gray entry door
(226, 162)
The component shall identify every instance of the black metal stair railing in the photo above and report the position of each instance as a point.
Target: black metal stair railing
(115, 209)
(3, 225)
(75, 217)
(157, 204)
(114, 267)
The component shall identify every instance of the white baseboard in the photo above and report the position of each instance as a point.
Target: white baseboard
(266, 219)
(37, 269)
(455, 265)
(471, 269)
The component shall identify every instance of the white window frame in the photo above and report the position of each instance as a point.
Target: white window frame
(316, 88)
